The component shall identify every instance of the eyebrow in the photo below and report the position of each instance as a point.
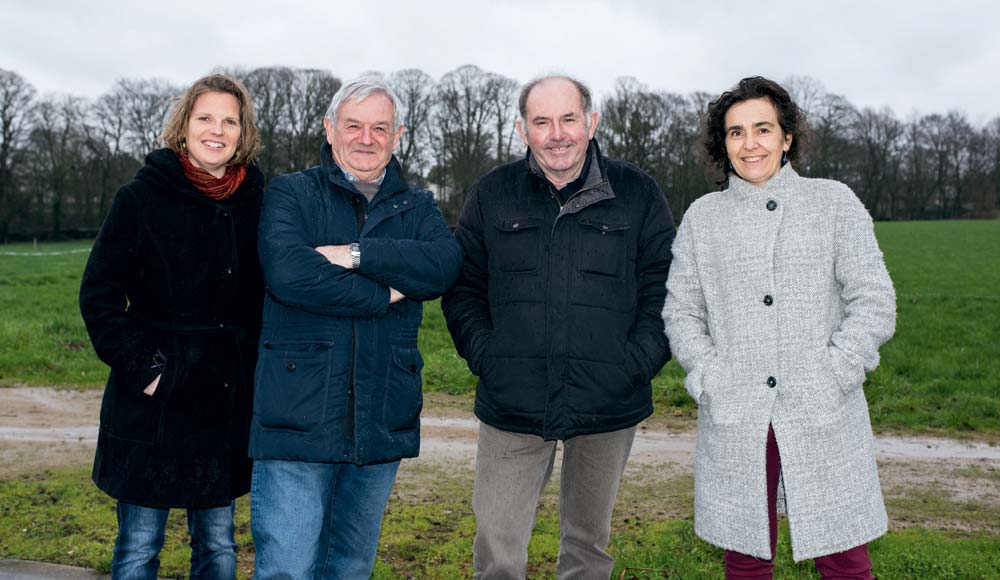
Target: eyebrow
(359, 122)
(757, 124)
(548, 118)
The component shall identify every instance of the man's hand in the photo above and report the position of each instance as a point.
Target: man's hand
(395, 295)
(338, 255)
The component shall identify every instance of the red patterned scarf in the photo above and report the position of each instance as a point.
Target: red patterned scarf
(217, 188)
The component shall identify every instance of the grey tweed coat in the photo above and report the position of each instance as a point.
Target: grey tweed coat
(778, 300)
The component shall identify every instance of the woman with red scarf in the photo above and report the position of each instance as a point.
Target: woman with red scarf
(172, 299)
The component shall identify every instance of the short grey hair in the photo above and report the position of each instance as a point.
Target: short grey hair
(586, 100)
(365, 86)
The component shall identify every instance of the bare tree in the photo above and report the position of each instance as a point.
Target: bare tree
(104, 134)
(946, 142)
(415, 89)
(808, 93)
(57, 157)
(308, 97)
(501, 93)
(270, 89)
(659, 132)
(464, 120)
(830, 124)
(877, 137)
(631, 118)
(145, 103)
(16, 96)
(918, 187)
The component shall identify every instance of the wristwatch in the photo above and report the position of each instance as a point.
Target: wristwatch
(355, 249)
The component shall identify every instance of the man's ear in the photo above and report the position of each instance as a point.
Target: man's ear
(328, 127)
(594, 120)
(521, 132)
(399, 133)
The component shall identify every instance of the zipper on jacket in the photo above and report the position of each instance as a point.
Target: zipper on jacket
(555, 198)
(571, 198)
(360, 216)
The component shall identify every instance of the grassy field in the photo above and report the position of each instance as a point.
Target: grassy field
(940, 374)
(59, 516)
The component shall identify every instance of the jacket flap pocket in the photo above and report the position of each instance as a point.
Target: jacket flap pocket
(603, 224)
(517, 224)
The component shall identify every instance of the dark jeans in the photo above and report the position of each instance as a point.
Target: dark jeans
(853, 564)
(140, 538)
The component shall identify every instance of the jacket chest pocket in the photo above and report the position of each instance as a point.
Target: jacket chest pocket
(518, 244)
(600, 247)
(390, 219)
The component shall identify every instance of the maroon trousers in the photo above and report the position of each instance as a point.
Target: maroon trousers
(853, 564)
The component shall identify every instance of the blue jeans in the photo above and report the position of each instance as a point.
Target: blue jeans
(314, 521)
(140, 538)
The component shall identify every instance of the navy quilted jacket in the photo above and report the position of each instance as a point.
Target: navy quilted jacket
(338, 374)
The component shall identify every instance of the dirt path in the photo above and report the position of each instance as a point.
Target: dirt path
(42, 428)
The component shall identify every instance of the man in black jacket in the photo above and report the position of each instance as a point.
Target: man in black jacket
(558, 311)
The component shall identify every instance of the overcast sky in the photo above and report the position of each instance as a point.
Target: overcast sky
(921, 55)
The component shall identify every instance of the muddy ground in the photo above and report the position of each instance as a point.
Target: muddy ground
(42, 428)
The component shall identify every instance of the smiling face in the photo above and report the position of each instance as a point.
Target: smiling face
(363, 139)
(755, 140)
(557, 130)
(213, 131)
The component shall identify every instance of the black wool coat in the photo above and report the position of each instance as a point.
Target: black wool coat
(558, 307)
(173, 287)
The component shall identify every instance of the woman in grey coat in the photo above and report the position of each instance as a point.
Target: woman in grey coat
(778, 301)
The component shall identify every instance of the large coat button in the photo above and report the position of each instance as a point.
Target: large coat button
(772, 205)
(771, 382)
(290, 365)
(768, 300)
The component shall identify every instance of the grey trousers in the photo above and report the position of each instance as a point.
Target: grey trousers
(512, 469)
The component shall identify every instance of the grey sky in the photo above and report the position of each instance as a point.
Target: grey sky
(925, 56)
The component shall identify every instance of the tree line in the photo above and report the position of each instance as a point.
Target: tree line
(63, 157)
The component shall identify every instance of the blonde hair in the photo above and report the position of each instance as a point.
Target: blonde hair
(175, 129)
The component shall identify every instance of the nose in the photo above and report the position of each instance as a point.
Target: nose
(750, 142)
(217, 128)
(556, 131)
(366, 135)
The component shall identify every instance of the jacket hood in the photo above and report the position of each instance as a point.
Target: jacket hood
(163, 171)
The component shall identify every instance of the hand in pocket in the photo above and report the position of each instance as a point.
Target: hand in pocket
(152, 386)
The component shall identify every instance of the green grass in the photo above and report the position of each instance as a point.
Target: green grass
(42, 337)
(59, 516)
(939, 374)
(427, 533)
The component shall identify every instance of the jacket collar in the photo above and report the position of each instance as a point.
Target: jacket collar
(392, 181)
(782, 182)
(595, 188)
(164, 170)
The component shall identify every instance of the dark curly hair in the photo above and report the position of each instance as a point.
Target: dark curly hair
(713, 130)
